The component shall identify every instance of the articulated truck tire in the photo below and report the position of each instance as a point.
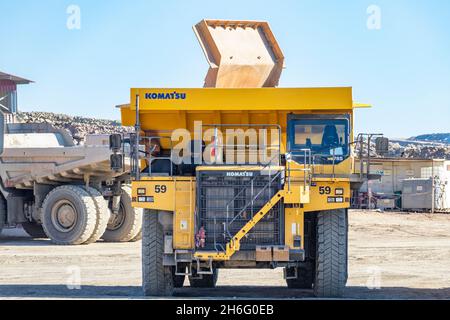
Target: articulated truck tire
(157, 279)
(34, 230)
(127, 224)
(69, 215)
(103, 215)
(3, 212)
(331, 254)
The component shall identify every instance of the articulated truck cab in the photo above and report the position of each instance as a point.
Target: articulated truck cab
(242, 177)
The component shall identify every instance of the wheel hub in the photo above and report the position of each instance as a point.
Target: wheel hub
(117, 219)
(64, 216)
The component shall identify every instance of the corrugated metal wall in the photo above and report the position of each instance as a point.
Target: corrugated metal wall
(394, 172)
(7, 86)
(8, 95)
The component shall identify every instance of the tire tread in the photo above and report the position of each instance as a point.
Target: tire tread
(89, 208)
(331, 257)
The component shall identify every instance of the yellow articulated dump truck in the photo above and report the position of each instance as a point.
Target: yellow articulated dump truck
(241, 174)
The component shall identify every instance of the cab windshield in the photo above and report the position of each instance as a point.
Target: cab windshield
(328, 138)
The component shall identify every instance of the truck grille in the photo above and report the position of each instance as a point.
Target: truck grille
(222, 196)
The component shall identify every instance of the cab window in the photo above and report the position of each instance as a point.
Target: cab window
(326, 138)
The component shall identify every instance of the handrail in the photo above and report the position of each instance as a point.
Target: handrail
(135, 143)
(268, 165)
(308, 167)
(151, 158)
(240, 126)
(256, 197)
(246, 186)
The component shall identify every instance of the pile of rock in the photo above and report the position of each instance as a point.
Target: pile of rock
(79, 127)
(411, 149)
(427, 152)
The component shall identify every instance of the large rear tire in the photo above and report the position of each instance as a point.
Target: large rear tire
(3, 212)
(34, 230)
(331, 256)
(305, 277)
(103, 215)
(206, 280)
(69, 216)
(157, 279)
(127, 223)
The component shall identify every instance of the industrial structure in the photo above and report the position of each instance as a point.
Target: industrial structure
(8, 93)
(285, 209)
(408, 184)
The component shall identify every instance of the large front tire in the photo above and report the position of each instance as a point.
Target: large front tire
(127, 223)
(69, 215)
(331, 254)
(157, 279)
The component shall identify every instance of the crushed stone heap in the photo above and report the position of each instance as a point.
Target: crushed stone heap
(413, 150)
(79, 127)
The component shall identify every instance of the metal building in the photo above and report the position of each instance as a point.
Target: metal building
(398, 175)
(8, 92)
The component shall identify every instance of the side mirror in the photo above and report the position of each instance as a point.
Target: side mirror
(116, 162)
(115, 142)
(382, 146)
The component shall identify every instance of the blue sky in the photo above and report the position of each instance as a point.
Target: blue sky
(403, 69)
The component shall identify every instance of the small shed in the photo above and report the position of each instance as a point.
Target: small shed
(8, 91)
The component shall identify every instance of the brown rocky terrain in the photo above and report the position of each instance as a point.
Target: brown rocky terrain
(79, 127)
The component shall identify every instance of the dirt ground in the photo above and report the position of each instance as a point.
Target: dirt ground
(392, 256)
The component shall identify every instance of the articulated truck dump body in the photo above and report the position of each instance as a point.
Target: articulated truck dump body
(61, 191)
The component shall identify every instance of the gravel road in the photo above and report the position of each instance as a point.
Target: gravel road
(392, 255)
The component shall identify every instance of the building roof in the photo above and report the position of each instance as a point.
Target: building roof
(15, 79)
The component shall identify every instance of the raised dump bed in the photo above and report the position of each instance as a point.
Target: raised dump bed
(61, 191)
(241, 54)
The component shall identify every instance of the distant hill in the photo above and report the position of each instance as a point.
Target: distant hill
(434, 137)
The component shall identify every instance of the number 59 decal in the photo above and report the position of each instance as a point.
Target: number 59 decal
(160, 189)
(324, 190)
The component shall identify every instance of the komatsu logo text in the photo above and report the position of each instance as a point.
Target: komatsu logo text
(166, 96)
(239, 174)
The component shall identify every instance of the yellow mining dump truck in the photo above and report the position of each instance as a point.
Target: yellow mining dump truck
(241, 174)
